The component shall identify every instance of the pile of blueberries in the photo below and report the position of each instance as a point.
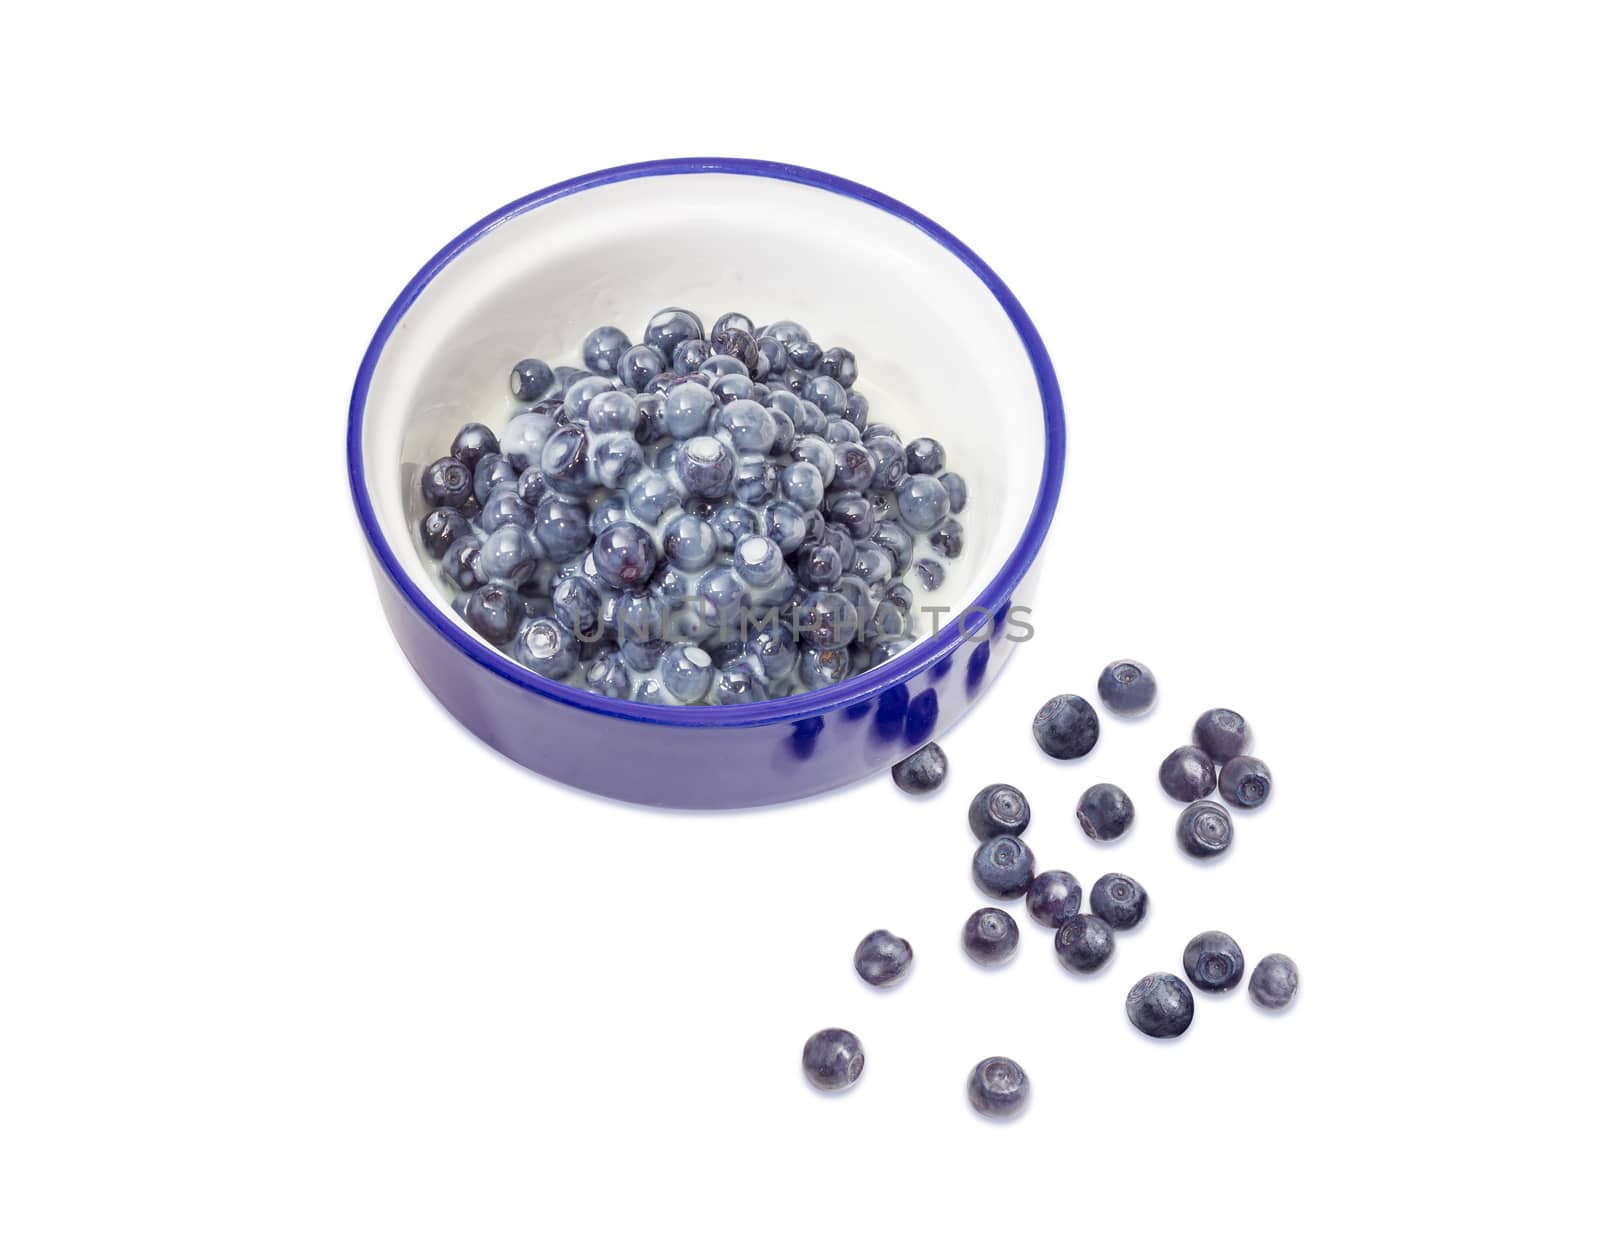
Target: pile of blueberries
(694, 519)
(1160, 1005)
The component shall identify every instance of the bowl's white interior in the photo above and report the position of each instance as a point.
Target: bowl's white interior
(937, 354)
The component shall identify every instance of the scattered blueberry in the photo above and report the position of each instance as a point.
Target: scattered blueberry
(1119, 901)
(1223, 734)
(998, 1088)
(1066, 727)
(1127, 687)
(1105, 812)
(1084, 943)
(955, 486)
(1003, 867)
(882, 958)
(947, 540)
(1246, 782)
(1187, 774)
(446, 483)
(472, 442)
(1213, 961)
(1205, 829)
(998, 809)
(923, 771)
(832, 1059)
(531, 380)
(925, 456)
(1274, 982)
(1160, 1005)
(1053, 896)
(990, 936)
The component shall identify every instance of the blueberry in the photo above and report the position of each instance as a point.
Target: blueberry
(650, 496)
(832, 1059)
(726, 378)
(546, 647)
(608, 674)
(827, 394)
(1205, 829)
(1223, 734)
(852, 511)
(446, 483)
(565, 461)
(603, 349)
(924, 503)
(922, 772)
(870, 562)
(771, 652)
(505, 507)
(531, 487)
(737, 687)
(810, 420)
(772, 357)
(948, 539)
(1274, 982)
(494, 611)
(441, 527)
(802, 485)
(738, 343)
(731, 521)
(642, 617)
(819, 567)
(1160, 1005)
(882, 958)
(1246, 782)
(490, 473)
(826, 620)
(758, 560)
(1084, 943)
(1187, 774)
(624, 556)
(998, 809)
(687, 410)
(1213, 961)
(888, 462)
(705, 467)
(725, 599)
(1127, 687)
(575, 403)
(686, 673)
(508, 554)
(747, 426)
(613, 411)
(990, 936)
(836, 430)
(1003, 867)
(893, 537)
(734, 321)
(531, 380)
(930, 572)
(640, 364)
(566, 376)
(998, 1088)
(689, 542)
(472, 441)
(925, 456)
(524, 438)
(1066, 726)
(1119, 901)
(1053, 896)
(575, 603)
(1105, 812)
(614, 456)
(955, 486)
(562, 528)
(459, 564)
(855, 409)
(839, 364)
(755, 479)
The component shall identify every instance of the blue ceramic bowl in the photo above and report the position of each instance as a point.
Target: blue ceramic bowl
(944, 350)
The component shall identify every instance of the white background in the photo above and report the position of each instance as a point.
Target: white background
(284, 951)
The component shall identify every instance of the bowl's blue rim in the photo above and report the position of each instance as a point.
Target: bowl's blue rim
(783, 709)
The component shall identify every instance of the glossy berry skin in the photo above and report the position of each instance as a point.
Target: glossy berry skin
(925, 456)
(689, 542)
(1274, 982)
(459, 564)
(561, 527)
(949, 539)
(990, 937)
(998, 1088)
(1105, 812)
(998, 809)
(1003, 867)
(624, 556)
(1084, 943)
(930, 573)
(1127, 688)
(955, 486)
(441, 527)
(1187, 774)
(832, 1059)
(564, 461)
(473, 441)
(603, 349)
(689, 355)
(1205, 830)
(575, 604)
(687, 673)
(1223, 734)
(882, 958)
(1245, 782)
(1053, 896)
(1119, 901)
(640, 364)
(494, 611)
(840, 364)
(735, 342)
(531, 379)
(924, 771)
(491, 473)
(505, 507)
(705, 466)
(924, 503)
(1160, 1005)
(508, 554)
(446, 483)
(1066, 727)
(1213, 961)
(547, 648)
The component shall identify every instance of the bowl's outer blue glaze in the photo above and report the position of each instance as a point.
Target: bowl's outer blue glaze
(711, 756)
